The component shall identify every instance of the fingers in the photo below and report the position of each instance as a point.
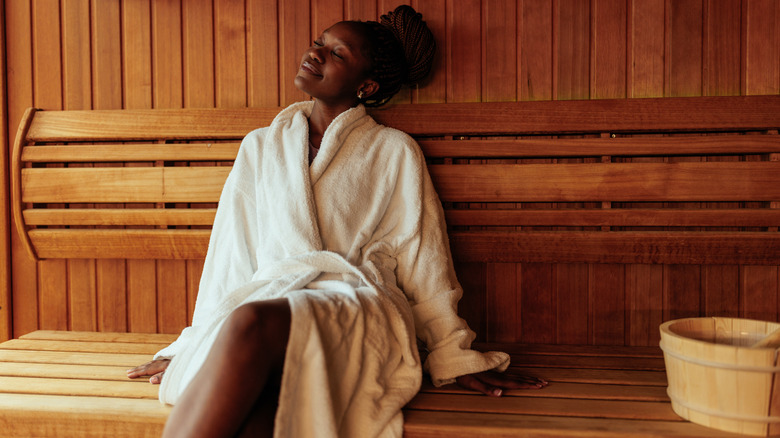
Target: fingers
(507, 381)
(494, 384)
(155, 369)
(475, 384)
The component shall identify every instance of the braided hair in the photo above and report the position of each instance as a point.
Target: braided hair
(401, 50)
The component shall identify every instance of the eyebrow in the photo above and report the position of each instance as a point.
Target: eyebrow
(340, 41)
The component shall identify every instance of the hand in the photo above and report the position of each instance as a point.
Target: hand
(155, 368)
(494, 384)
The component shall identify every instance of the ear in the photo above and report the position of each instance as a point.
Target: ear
(368, 87)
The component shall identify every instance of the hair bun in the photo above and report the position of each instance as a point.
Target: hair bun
(416, 38)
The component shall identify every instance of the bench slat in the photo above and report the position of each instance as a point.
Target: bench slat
(65, 371)
(573, 390)
(141, 124)
(141, 338)
(582, 116)
(79, 387)
(598, 147)
(545, 406)
(119, 216)
(441, 424)
(26, 415)
(729, 248)
(123, 184)
(623, 182)
(616, 217)
(84, 346)
(130, 152)
(613, 377)
(128, 244)
(62, 357)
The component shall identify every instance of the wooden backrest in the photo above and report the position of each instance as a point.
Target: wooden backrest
(675, 180)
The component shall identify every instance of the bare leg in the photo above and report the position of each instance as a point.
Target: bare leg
(247, 358)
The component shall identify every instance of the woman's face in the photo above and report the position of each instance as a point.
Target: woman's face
(336, 66)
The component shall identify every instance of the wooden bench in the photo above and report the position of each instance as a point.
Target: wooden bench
(631, 181)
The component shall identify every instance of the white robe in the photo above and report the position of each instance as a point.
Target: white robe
(358, 245)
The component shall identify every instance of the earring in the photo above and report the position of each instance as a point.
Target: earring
(360, 94)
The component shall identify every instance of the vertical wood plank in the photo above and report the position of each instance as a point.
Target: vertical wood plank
(682, 291)
(230, 53)
(644, 303)
(166, 54)
(77, 80)
(499, 53)
(646, 48)
(536, 50)
(82, 303)
(324, 14)
(6, 327)
(171, 298)
(608, 49)
(608, 304)
(361, 10)
(538, 306)
(106, 56)
(572, 313)
(111, 295)
(53, 295)
(463, 51)
(262, 54)
(77, 95)
(501, 294)
(722, 48)
(573, 57)
(137, 50)
(762, 47)
(684, 62)
(19, 53)
(759, 290)
(294, 38)
(721, 290)
(170, 286)
(141, 297)
(47, 88)
(472, 306)
(198, 53)
(434, 88)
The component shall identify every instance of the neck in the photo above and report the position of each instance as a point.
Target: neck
(321, 117)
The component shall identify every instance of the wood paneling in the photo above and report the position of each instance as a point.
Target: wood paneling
(6, 328)
(89, 54)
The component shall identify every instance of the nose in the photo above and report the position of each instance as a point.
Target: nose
(316, 54)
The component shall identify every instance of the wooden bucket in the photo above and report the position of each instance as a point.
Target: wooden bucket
(717, 380)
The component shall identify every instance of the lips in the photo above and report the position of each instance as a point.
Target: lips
(309, 68)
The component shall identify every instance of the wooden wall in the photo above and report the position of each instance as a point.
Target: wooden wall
(82, 54)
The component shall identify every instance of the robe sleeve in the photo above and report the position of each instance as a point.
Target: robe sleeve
(231, 257)
(426, 275)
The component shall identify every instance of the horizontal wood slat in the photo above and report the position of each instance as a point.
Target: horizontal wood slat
(123, 184)
(597, 147)
(617, 247)
(127, 244)
(630, 182)
(153, 124)
(441, 424)
(616, 217)
(119, 216)
(608, 115)
(582, 116)
(130, 152)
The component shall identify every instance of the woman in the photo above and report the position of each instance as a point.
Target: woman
(327, 259)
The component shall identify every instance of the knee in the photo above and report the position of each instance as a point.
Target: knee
(264, 324)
